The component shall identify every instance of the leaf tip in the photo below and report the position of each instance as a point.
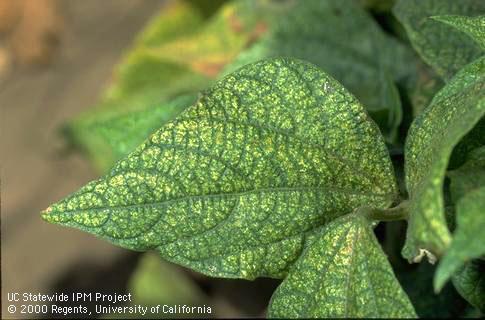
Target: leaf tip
(48, 215)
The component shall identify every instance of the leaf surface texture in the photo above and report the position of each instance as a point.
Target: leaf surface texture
(453, 112)
(232, 186)
(343, 273)
(443, 47)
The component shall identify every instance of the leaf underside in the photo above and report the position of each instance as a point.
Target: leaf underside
(343, 273)
(233, 186)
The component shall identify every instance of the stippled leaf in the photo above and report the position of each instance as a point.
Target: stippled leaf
(473, 26)
(341, 38)
(469, 281)
(233, 185)
(453, 112)
(177, 53)
(441, 46)
(468, 239)
(343, 273)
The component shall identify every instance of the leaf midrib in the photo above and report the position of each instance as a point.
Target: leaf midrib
(233, 194)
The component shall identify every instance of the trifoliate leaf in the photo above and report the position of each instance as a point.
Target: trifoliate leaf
(443, 47)
(344, 40)
(342, 274)
(469, 239)
(453, 112)
(473, 26)
(470, 283)
(231, 187)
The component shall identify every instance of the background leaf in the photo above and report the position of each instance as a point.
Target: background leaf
(179, 52)
(232, 186)
(157, 282)
(468, 177)
(471, 141)
(424, 88)
(473, 26)
(343, 273)
(109, 136)
(453, 112)
(468, 239)
(470, 283)
(441, 46)
(341, 38)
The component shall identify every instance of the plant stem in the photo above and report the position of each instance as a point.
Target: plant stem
(399, 212)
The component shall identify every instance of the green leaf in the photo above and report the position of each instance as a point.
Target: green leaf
(343, 273)
(155, 282)
(176, 19)
(473, 26)
(139, 71)
(109, 136)
(232, 186)
(216, 43)
(469, 239)
(177, 53)
(473, 140)
(424, 88)
(441, 46)
(390, 117)
(343, 40)
(468, 177)
(470, 283)
(453, 112)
